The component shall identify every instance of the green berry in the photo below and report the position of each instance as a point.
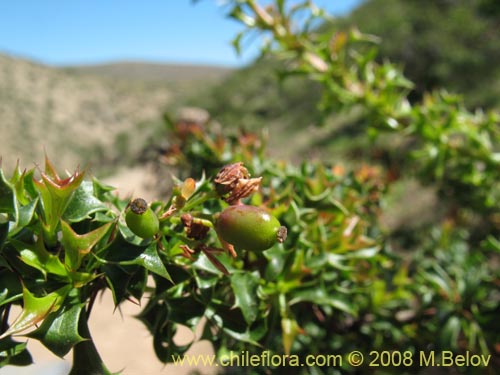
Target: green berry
(249, 228)
(141, 219)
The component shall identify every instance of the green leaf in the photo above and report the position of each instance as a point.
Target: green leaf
(6, 195)
(137, 283)
(363, 253)
(320, 296)
(156, 317)
(277, 258)
(24, 215)
(37, 256)
(83, 203)
(14, 353)
(76, 246)
(4, 230)
(103, 192)
(55, 194)
(203, 263)
(119, 278)
(36, 309)
(244, 286)
(150, 260)
(450, 333)
(59, 330)
(10, 287)
(164, 344)
(491, 243)
(290, 329)
(236, 42)
(233, 324)
(185, 310)
(86, 358)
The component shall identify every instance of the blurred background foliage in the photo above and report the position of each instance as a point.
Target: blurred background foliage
(440, 226)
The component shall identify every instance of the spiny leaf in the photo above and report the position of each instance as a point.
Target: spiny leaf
(320, 296)
(245, 293)
(4, 230)
(24, 214)
(76, 246)
(14, 353)
(59, 331)
(150, 260)
(86, 358)
(37, 256)
(36, 309)
(10, 287)
(55, 194)
(83, 203)
(6, 196)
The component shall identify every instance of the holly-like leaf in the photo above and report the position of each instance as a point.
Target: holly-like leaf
(10, 287)
(156, 316)
(150, 260)
(14, 353)
(244, 286)
(83, 203)
(55, 194)
(104, 193)
(76, 246)
(4, 230)
(137, 283)
(6, 196)
(233, 324)
(14, 203)
(124, 252)
(24, 215)
(36, 309)
(320, 296)
(59, 330)
(203, 263)
(119, 278)
(86, 358)
(186, 311)
(163, 342)
(37, 256)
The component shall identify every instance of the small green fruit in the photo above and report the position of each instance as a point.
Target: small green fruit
(141, 219)
(249, 228)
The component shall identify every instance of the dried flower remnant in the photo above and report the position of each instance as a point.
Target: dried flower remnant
(243, 189)
(228, 177)
(194, 229)
(233, 183)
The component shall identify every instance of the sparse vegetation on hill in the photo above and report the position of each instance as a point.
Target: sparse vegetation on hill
(151, 72)
(98, 115)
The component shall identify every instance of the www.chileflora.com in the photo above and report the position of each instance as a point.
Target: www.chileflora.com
(355, 358)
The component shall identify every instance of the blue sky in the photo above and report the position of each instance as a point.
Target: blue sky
(69, 32)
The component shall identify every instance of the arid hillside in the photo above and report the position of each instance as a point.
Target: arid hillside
(100, 115)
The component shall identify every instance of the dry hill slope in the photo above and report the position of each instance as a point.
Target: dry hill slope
(151, 72)
(99, 114)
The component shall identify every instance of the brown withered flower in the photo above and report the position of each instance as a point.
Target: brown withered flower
(233, 183)
(228, 177)
(194, 230)
(244, 188)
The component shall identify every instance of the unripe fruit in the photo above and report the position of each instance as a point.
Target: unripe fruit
(141, 219)
(249, 228)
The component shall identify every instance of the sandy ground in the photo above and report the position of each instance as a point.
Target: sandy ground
(133, 182)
